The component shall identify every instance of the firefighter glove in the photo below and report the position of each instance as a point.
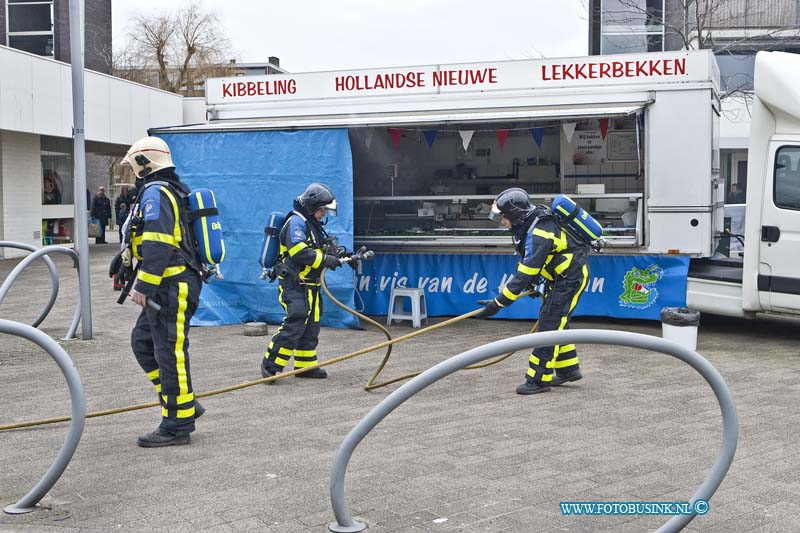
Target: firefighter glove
(331, 262)
(490, 308)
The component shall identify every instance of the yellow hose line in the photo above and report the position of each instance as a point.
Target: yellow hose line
(370, 384)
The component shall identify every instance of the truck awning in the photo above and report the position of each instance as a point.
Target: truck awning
(554, 112)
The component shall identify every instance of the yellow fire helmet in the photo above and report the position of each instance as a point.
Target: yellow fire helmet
(147, 155)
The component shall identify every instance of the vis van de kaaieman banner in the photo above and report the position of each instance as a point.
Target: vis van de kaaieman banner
(619, 286)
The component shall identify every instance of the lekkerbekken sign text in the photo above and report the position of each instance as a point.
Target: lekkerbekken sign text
(526, 75)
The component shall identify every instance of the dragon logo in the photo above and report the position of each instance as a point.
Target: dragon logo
(639, 284)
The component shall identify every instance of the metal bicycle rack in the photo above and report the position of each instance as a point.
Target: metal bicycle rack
(35, 254)
(730, 425)
(28, 502)
(53, 277)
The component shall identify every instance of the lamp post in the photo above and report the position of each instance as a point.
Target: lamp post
(79, 165)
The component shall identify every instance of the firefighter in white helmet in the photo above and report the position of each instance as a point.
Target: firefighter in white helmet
(169, 275)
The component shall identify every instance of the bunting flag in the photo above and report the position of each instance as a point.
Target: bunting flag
(466, 137)
(430, 135)
(569, 129)
(537, 135)
(502, 135)
(368, 137)
(603, 128)
(396, 133)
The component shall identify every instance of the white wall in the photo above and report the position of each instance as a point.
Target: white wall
(194, 110)
(36, 97)
(20, 190)
(679, 146)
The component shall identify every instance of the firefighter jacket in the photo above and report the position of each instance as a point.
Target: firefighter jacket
(548, 251)
(302, 242)
(159, 234)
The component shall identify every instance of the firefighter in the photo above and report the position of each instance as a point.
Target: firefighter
(169, 274)
(547, 251)
(301, 260)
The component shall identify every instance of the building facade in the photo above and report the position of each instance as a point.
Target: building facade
(41, 27)
(734, 29)
(37, 187)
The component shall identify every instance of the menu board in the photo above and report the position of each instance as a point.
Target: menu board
(622, 146)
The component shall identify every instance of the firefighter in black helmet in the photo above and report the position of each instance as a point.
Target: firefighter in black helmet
(300, 262)
(547, 251)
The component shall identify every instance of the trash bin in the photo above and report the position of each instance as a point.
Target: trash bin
(679, 324)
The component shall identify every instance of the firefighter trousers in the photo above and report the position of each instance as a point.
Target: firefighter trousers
(560, 299)
(160, 342)
(298, 335)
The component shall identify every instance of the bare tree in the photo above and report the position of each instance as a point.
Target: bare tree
(175, 51)
(722, 25)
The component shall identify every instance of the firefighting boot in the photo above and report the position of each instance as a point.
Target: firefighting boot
(269, 369)
(531, 387)
(159, 438)
(560, 379)
(317, 373)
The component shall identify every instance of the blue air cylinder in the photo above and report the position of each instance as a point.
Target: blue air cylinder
(271, 244)
(207, 226)
(571, 214)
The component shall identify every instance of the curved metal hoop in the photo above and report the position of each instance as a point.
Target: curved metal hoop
(28, 502)
(12, 277)
(53, 278)
(730, 425)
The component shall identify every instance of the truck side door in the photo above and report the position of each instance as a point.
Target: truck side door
(779, 248)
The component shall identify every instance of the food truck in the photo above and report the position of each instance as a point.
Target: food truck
(416, 155)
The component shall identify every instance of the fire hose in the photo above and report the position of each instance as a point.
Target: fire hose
(371, 385)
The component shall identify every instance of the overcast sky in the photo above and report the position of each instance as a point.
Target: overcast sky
(310, 35)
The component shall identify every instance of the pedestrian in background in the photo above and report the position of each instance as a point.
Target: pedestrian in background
(122, 216)
(101, 213)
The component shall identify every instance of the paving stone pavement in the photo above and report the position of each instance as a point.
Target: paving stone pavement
(640, 426)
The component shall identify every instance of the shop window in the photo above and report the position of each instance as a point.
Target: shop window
(736, 72)
(633, 14)
(29, 17)
(632, 26)
(30, 26)
(57, 231)
(41, 45)
(631, 43)
(787, 177)
(432, 181)
(57, 182)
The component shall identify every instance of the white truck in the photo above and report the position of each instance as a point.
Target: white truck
(765, 277)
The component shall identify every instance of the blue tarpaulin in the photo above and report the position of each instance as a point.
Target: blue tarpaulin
(619, 286)
(253, 173)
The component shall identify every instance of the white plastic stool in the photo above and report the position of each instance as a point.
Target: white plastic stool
(418, 308)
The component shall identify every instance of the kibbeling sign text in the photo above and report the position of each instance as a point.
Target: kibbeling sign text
(639, 68)
(258, 88)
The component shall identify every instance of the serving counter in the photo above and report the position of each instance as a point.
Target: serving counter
(460, 223)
